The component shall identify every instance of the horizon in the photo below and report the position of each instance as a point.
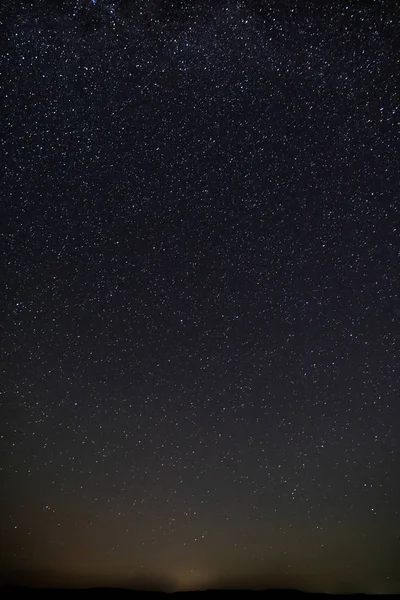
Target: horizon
(151, 582)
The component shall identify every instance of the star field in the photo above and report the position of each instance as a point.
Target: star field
(200, 294)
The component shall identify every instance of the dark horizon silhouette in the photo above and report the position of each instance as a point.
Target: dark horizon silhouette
(151, 582)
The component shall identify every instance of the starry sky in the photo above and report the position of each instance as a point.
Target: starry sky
(200, 293)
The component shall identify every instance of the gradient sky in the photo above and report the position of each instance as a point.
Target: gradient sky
(200, 294)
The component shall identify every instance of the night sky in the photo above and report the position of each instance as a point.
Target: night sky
(199, 301)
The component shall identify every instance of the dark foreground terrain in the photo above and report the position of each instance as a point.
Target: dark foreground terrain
(195, 595)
